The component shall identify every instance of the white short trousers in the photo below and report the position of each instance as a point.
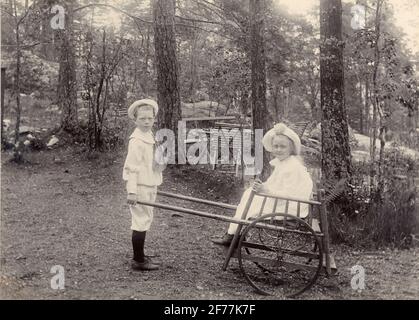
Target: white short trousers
(142, 216)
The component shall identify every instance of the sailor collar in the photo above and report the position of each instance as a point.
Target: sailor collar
(143, 136)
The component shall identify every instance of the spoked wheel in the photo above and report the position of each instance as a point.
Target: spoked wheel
(280, 254)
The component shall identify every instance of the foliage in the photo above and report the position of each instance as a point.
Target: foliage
(231, 79)
(103, 83)
(36, 73)
(397, 88)
(387, 217)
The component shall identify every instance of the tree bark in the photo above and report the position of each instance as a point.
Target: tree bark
(336, 156)
(166, 65)
(3, 85)
(258, 75)
(361, 110)
(367, 109)
(67, 85)
(147, 55)
(377, 57)
(17, 76)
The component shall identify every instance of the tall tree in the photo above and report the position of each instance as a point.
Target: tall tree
(67, 86)
(336, 156)
(166, 64)
(258, 73)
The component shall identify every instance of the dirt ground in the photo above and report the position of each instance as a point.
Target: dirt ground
(64, 209)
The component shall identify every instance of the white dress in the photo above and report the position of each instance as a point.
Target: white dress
(289, 178)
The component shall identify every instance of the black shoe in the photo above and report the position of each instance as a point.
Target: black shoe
(149, 259)
(147, 265)
(225, 240)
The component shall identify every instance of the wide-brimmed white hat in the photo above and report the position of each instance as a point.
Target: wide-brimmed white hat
(142, 102)
(281, 129)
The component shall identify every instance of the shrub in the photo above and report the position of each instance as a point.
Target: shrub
(385, 216)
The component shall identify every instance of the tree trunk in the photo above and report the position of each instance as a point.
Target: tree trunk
(48, 48)
(100, 103)
(67, 85)
(361, 110)
(287, 103)
(194, 72)
(17, 82)
(168, 94)
(258, 75)
(276, 102)
(373, 135)
(147, 55)
(3, 85)
(336, 156)
(367, 105)
(166, 64)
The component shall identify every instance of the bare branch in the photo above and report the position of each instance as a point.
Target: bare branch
(7, 12)
(113, 7)
(199, 28)
(26, 13)
(210, 4)
(213, 8)
(198, 20)
(23, 47)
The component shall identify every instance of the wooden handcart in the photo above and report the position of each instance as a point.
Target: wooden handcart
(278, 253)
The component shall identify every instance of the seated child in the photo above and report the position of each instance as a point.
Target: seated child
(289, 178)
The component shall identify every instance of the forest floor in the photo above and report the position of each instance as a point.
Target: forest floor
(62, 208)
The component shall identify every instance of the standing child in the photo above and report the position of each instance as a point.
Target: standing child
(142, 177)
(289, 178)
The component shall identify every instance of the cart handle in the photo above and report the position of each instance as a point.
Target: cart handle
(212, 203)
(218, 217)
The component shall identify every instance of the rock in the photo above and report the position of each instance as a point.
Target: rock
(53, 141)
(6, 124)
(13, 196)
(415, 241)
(57, 160)
(361, 156)
(27, 129)
(177, 215)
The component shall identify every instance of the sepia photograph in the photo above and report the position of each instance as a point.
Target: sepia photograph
(231, 152)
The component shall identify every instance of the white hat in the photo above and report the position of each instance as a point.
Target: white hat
(139, 103)
(281, 129)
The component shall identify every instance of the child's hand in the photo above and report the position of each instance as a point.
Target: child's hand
(258, 185)
(132, 199)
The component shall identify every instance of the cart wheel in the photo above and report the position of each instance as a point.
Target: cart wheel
(280, 256)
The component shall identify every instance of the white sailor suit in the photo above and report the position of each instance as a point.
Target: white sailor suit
(141, 179)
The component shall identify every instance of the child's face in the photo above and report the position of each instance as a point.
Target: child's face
(281, 147)
(145, 118)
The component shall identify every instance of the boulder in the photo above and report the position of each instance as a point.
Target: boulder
(53, 141)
